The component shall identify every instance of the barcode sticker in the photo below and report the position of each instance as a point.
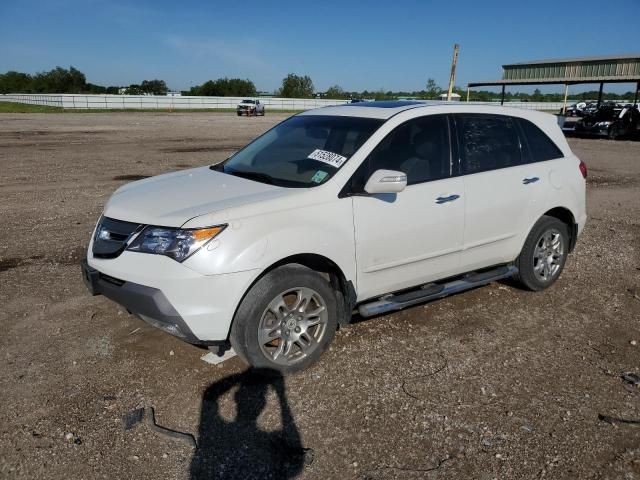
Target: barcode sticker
(329, 158)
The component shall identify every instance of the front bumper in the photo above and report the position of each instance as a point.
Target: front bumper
(148, 303)
(591, 129)
(168, 295)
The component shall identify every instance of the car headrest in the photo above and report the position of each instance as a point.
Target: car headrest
(424, 146)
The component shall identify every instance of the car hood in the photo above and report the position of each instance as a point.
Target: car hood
(170, 200)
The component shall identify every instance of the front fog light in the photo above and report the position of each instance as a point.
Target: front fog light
(176, 243)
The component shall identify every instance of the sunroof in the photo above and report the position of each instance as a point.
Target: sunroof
(385, 104)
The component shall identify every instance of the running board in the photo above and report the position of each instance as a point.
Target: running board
(432, 291)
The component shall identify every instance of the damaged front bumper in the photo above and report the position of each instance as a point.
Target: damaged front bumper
(147, 303)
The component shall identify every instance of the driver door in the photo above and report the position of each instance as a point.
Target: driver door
(415, 236)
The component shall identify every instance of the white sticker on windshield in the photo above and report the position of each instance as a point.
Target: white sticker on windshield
(329, 158)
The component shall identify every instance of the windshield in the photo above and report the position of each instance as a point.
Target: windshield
(248, 101)
(303, 151)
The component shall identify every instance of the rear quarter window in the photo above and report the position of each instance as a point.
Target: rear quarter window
(487, 142)
(541, 147)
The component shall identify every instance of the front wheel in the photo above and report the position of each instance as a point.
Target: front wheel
(543, 255)
(286, 320)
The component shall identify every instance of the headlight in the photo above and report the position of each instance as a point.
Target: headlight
(176, 243)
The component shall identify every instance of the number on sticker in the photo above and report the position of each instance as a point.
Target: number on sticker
(329, 158)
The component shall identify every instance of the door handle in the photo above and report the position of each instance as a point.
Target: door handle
(527, 181)
(450, 198)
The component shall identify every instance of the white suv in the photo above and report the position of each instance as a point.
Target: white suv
(371, 207)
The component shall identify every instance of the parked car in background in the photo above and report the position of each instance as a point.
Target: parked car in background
(579, 109)
(250, 107)
(372, 206)
(610, 120)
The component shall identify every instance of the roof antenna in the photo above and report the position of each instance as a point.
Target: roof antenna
(452, 78)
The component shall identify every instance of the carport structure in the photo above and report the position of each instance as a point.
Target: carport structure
(569, 71)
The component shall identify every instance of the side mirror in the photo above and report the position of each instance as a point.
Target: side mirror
(386, 181)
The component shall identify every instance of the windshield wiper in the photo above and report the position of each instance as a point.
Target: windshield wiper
(257, 176)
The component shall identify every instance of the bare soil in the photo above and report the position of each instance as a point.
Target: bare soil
(492, 383)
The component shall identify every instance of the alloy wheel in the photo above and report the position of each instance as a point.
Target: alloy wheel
(293, 325)
(548, 255)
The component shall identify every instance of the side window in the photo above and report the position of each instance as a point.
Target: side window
(487, 142)
(541, 147)
(419, 148)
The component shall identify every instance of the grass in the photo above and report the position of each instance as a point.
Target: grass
(10, 107)
(7, 107)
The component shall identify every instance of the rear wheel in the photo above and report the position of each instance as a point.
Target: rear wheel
(286, 320)
(543, 255)
(613, 133)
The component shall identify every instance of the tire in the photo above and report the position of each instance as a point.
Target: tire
(613, 133)
(543, 255)
(239, 114)
(268, 332)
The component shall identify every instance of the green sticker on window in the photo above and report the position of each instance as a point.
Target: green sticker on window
(319, 176)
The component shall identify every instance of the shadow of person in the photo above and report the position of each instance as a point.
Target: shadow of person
(238, 448)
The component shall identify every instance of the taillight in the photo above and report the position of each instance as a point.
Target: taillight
(583, 169)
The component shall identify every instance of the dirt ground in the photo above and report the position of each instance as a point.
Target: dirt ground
(492, 383)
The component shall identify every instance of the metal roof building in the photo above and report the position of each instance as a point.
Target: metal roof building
(569, 71)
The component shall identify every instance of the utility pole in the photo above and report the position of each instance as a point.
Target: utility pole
(564, 104)
(452, 78)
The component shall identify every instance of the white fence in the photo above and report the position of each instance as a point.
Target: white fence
(152, 102)
(550, 106)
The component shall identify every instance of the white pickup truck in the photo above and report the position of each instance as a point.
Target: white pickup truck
(369, 207)
(250, 108)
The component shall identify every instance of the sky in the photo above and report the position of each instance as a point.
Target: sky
(390, 45)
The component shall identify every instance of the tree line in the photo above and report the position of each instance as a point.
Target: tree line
(72, 80)
(432, 92)
(538, 96)
(293, 86)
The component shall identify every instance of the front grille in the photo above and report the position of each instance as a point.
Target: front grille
(111, 237)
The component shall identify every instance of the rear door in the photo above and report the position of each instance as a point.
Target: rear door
(503, 190)
(414, 236)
